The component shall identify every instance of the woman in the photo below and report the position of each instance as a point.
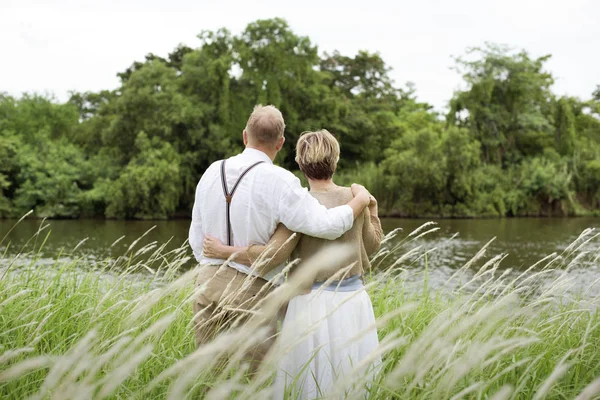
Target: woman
(329, 329)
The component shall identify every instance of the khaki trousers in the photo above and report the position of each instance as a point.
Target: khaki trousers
(224, 302)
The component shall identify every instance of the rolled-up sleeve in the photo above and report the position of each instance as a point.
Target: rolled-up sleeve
(302, 213)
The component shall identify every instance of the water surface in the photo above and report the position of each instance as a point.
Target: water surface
(524, 241)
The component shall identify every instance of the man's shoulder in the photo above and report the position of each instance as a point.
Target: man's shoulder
(209, 175)
(281, 175)
(215, 164)
(212, 168)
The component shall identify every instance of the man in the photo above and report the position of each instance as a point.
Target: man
(240, 201)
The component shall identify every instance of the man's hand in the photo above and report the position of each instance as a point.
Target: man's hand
(360, 190)
(362, 198)
(373, 206)
(356, 189)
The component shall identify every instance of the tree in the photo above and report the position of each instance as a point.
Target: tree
(508, 146)
(8, 149)
(149, 186)
(50, 179)
(507, 105)
(365, 74)
(280, 68)
(40, 167)
(565, 128)
(415, 165)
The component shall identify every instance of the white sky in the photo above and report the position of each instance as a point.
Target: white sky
(53, 46)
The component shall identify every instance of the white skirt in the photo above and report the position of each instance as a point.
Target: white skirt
(327, 346)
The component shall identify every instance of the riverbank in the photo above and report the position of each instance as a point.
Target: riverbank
(122, 330)
(382, 214)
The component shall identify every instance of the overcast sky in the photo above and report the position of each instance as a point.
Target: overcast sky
(53, 46)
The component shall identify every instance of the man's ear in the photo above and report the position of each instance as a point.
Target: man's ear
(280, 144)
(245, 136)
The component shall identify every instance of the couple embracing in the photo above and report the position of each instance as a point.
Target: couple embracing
(250, 217)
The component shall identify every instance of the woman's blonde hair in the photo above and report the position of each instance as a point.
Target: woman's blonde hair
(317, 154)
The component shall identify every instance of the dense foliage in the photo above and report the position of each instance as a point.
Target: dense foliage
(508, 146)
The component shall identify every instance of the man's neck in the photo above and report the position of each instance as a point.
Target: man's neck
(271, 153)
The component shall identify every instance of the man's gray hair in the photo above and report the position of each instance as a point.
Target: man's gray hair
(265, 125)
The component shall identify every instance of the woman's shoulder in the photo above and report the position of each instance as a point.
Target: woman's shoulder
(335, 197)
(346, 190)
(345, 193)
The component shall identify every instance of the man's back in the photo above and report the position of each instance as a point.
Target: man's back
(252, 218)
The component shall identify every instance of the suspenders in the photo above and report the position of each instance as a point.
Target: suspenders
(229, 195)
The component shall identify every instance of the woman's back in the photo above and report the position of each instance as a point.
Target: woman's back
(329, 330)
(363, 238)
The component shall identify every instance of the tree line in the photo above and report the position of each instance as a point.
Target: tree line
(508, 146)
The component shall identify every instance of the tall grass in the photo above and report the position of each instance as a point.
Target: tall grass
(123, 330)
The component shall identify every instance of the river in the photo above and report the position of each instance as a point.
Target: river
(525, 240)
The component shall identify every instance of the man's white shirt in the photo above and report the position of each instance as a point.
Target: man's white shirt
(266, 196)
